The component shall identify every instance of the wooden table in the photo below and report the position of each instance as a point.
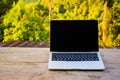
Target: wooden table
(32, 63)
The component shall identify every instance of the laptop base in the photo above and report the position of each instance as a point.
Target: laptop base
(76, 65)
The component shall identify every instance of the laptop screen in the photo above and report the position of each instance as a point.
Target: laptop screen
(74, 35)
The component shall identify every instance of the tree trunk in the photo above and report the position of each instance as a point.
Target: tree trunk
(50, 8)
(105, 24)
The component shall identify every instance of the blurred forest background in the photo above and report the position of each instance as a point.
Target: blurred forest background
(30, 19)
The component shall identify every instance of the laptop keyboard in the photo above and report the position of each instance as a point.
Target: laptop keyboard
(75, 57)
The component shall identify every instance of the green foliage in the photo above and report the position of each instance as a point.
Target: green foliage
(2, 27)
(29, 19)
(27, 22)
(6, 5)
(114, 28)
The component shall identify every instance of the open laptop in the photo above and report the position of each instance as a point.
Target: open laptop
(74, 45)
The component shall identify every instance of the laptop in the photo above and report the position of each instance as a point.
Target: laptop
(74, 45)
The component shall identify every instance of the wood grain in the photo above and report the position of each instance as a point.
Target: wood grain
(32, 63)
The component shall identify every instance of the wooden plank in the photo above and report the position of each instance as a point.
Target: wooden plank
(42, 54)
(39, 71)
(45, 45)
(41, 43)
(6, 44)
(31, 44)
(1, 43)
(15, 43)
(24, 54)
(23, 50)
(23, 44)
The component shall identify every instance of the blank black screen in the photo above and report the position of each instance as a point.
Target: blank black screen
(74, 35)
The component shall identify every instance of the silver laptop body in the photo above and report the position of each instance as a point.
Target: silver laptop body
(74, 45)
